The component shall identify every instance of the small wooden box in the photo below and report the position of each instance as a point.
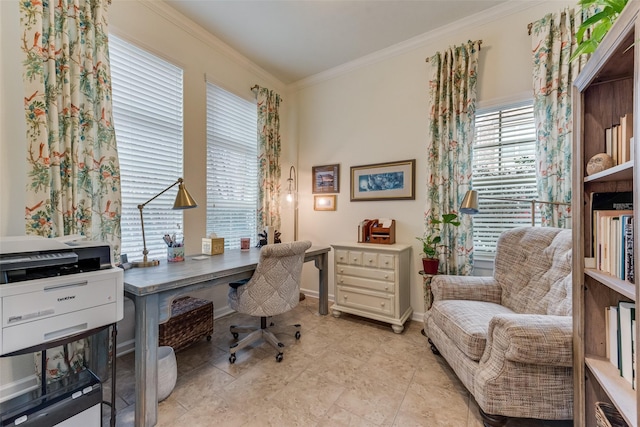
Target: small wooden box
(213, 246)
(191, 320)
(383, 235)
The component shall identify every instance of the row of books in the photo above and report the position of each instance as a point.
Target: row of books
(621, 339)
(612, 231)
(618, 140)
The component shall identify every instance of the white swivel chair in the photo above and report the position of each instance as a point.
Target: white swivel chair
(273, 289)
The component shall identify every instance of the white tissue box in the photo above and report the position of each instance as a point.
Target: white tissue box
(213, 246)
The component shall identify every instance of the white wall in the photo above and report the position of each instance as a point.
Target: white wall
(378, 112)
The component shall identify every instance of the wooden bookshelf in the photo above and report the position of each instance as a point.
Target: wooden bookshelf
(604, 91)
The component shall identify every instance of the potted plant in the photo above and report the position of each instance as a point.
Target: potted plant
(431, 241)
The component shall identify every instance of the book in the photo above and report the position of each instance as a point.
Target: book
(611, 320)
(607, 142)
(607, 201)
(629, 252)
(626, 313)
(626, 133)
(605, 238)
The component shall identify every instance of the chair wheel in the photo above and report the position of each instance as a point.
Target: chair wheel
(235, 335)
(232, 359)
(297, 335)
(208, 337)
(279, 357)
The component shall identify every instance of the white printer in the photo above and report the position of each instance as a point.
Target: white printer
(51, 289)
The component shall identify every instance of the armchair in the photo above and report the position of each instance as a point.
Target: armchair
(509, 337)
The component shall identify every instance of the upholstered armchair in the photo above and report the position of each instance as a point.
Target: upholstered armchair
(509, 337)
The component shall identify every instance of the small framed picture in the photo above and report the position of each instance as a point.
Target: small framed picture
(324, 203)
(384, 181)
(326, 179)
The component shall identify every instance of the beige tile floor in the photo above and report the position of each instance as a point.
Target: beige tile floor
(342, 372)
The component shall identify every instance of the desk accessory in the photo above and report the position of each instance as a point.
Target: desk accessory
(183, 201)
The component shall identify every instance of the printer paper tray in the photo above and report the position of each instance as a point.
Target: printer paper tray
(41, 331)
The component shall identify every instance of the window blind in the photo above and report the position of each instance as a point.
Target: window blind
(147, 114)
(232, 166)
(503, 167)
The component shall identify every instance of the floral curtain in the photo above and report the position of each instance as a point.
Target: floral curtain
(268, 159)
(553, 42)
(73, 182)
(452, 93)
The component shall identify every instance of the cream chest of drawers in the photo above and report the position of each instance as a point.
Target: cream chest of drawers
(373, 281)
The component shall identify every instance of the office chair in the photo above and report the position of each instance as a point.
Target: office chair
(273, 289)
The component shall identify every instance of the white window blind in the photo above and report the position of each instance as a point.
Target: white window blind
(232, 166)
(147, 114)
(503, 167)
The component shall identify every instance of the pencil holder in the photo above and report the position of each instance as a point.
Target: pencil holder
(175, 253)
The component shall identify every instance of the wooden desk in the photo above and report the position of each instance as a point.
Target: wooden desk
(153, 289)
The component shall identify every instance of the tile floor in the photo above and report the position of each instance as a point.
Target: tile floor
(342, 372)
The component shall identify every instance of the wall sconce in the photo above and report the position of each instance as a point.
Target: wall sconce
(292, 197)
(469, 204)
(183, 201)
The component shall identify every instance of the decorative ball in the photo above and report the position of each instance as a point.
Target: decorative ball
(598, 163)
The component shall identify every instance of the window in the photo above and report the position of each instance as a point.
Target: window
(503, 168)
(232, 166)
(147, 114)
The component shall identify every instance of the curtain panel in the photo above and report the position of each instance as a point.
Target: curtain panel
(269, 170)
(553, 42)
(73, 174)
(452, 95)
(73, 183)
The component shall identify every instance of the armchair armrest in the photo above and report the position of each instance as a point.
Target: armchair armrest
(472, 288)
(533, 338)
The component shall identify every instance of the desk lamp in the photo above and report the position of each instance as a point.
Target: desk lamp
(469, 204)
(183, 201)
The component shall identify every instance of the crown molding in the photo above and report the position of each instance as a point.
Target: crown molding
(198, 32)
(508, 8)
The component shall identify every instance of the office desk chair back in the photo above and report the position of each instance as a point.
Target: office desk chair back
(273, 289)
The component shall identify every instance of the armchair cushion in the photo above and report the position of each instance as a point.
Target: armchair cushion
(466, 323)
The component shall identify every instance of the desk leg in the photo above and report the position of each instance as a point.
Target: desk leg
(322, 264)
(146, 360)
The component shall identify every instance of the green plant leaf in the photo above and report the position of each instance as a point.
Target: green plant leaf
(589, 46)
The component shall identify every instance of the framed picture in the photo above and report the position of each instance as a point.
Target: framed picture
(324, 203)
(384, 181)
(326, 179)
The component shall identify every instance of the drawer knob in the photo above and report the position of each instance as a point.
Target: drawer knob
(381, 304)
(345, 297)
(342, 270)
(386, 276)
(355, 259)
(341, 280)
(386, 262)
(386, 288)
(370, 261)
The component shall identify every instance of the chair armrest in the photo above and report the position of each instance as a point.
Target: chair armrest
(533, 338)
(472, 288)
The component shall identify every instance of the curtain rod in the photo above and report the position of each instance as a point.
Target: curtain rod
(254, 87)
(479, 48)
(529, 28)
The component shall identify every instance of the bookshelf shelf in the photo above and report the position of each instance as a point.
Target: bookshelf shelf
(616, 387)
(620, 286)
(617, 173)
(605, 94)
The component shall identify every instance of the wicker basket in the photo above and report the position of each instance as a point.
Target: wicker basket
(608, 416)
(191, 320)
